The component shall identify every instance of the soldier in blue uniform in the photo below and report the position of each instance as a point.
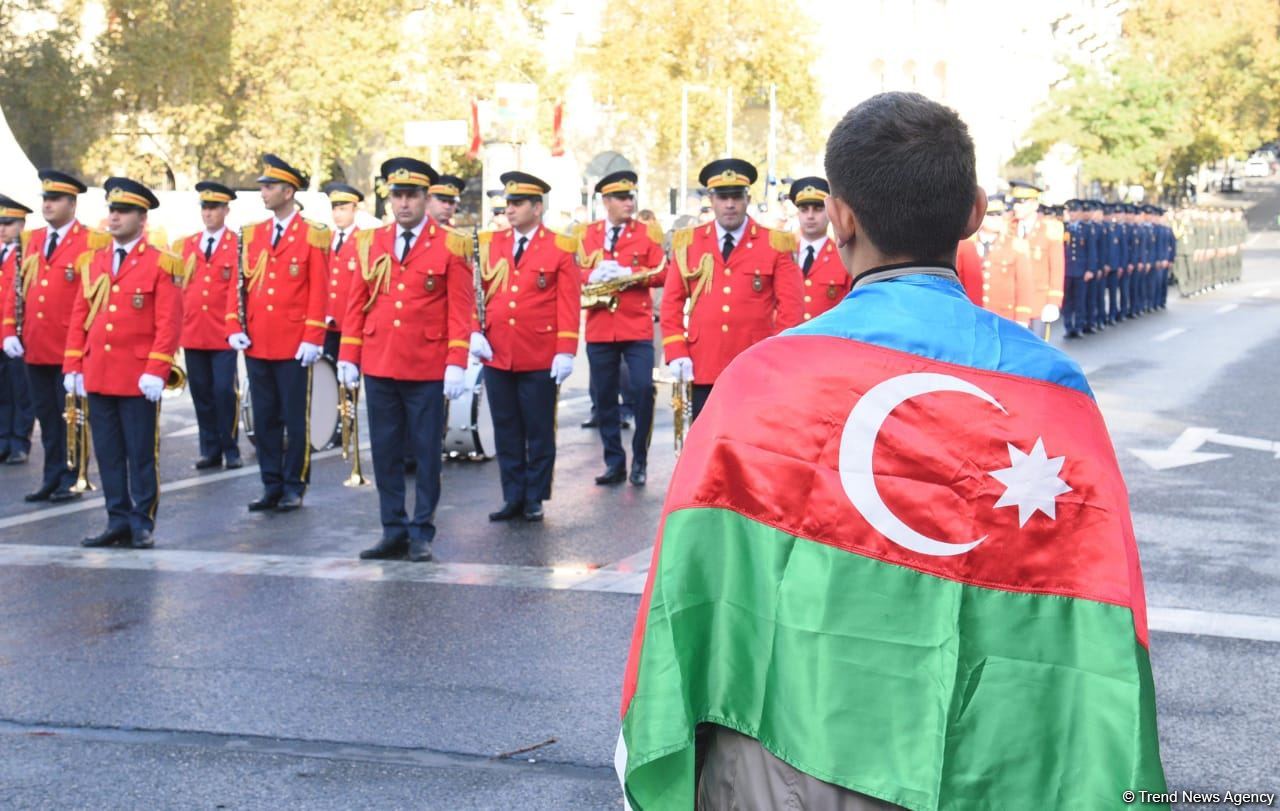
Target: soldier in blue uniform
(1168, 252)
(1109, 251)
(1073, 300)
(1095, 277)
(1137, 261)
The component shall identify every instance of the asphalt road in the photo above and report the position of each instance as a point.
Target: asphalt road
(250, 662)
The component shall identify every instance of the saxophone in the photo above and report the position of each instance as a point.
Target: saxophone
(604, 295)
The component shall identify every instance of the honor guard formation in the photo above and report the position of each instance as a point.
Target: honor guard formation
(459, 341)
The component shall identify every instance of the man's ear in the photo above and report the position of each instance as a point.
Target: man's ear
(975, 216)
(843, 223)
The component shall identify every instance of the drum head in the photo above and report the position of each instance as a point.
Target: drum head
(246, 406)
(324, 423)
(484, 426)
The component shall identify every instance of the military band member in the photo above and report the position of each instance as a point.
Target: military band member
(125, 327)
(736, 277)
(16, 417)
(1075, 245)
(208, 274)
(533, 309)
(286, 275)
(407, 325)
(611, 250)
(50, 284)
(344, 201)
(826, 281)
(443, 198)
(1006, 274)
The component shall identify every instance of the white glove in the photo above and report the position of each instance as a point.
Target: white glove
(681, 369)
(598, 275)
(480, 346)
(239, 342)
(348, 374)
(561, 367)
(13, 347)
(307, 354)
(70, 381)
(454, 382)
(616, 271)
(607, 270)
(151, 387)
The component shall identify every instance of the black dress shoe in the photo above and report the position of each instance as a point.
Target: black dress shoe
(386, 549)
(419, 550)
(614, 475)
(142, 540)
(533, 512)
(591, 422)
(263, 503)
(40, 495)
(107, 538)
(510, 510)
(16, 458)
(234, 464)
(60, 496)
(289, 503)
(639, 475)
(206, 462)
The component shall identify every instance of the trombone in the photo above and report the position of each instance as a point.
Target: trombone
(349, 419)
(76, 414)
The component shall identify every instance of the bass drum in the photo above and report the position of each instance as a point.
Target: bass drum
(468, 431)
(242, 400)
(323, 423)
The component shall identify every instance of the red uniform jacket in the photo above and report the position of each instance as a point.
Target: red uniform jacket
(125, 326)
(1006, 279)
(969, 269)
(50, 287)
(533, 308)
(639, 250)
(9, 272)
(1049, 236)
(342, 276)
(408, 321)
(286, 289)
(206, 286)
(732, 306)
(827, 283)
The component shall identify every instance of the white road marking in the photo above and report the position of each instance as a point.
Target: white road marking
(1169, 333)
(1266, 291)
(190, 430)
(1226, 308)
(1214, 623)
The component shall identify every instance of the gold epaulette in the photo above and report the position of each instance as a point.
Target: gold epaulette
(459, 244)
(83, 260)
(485, 238)
(25, 239)
(179, 245)
(782, 241)
(580, 231)
(567, 243)
(98, 240)
(681, 239)
(655, 232)
(171, 264)
(317, 235)
(364, 241)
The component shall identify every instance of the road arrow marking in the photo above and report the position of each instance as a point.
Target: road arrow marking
(1185, 450)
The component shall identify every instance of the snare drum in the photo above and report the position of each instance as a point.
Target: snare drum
(468, 425)
(323, 425)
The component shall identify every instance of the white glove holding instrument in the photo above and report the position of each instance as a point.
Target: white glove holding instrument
(13, 347)
(615, 271)
(348, 374)
(73, 383)
(454, 382)
(480, 346)
(239, 342)
(151, 387)
(561, 367)
(307, 354)
(681, 369)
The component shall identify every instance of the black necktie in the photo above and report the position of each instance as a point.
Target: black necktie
(53, 245)
(341, 238)
(121, 253)
(279, 232)
(613, 241)
(208, 250)
(4, 254)
(728, 247)
(808, 259)
(407, 236)
(520, 249)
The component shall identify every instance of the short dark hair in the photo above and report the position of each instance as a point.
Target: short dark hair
(905, 165)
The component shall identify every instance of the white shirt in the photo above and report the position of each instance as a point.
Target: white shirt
(217, 238)
(345, 233)
(4, 252)
(415, 230)
(62, 236)
(527, 237)
(609, 241)
(737, 235)
(283, 225)
(115, 255)
(818, 244)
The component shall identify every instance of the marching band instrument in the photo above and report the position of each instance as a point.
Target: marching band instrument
(468, 424)
(177, 379)
(323, 426)
(349, 417)
(242, 293)
(477, 277)
(19, 304)
(682, 411)
(604, 295)
(76, 414)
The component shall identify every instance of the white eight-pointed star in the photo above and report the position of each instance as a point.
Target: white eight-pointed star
(1031, 482)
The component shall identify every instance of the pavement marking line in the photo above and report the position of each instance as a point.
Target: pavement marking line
(1212, 623)
(166, 488)
(1266, 291)
(1226, 308)
(1169, 333)
(190, 430)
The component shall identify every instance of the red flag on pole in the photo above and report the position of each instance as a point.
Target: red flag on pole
(473, 151)
(557, 131)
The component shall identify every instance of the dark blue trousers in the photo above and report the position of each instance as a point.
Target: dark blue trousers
(1113, 296)
(1126, 293)
(523, 405)
(211, 376)
(16, 415)
(406, 418)
(281, 393)
(1073, 304)
(47, 400)
(607, 363)
(126, 442)
(1162, 288)
(1098, 300)
(700, 394)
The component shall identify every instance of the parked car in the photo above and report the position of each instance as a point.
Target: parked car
(1257, 166)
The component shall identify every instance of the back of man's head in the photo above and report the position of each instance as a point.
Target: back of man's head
(905, 166)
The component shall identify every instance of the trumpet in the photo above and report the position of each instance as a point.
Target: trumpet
(177, 379)
(349, 419)
(76, 414)
(604, 295)
(682, 411)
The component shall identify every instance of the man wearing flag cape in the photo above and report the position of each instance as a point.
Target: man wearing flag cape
(926, 594)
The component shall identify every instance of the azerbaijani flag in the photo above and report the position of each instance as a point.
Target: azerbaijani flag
(897, 551)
